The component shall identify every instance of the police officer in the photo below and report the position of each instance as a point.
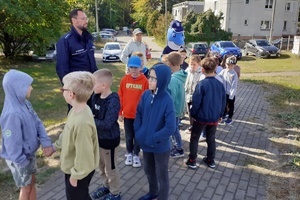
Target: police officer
(75, 50)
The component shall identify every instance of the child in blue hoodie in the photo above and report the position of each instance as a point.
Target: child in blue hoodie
(153, 125)
(22, 132)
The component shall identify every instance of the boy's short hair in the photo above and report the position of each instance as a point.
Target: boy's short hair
(134, 61)
(164, 58)
(139, 54)
(231, 60)
(217, 61)
(174, 58)
(209, 65)
(81, 83)
(104, 75)
(195, 58)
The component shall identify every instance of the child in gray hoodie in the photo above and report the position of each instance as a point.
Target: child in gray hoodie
(22, 132)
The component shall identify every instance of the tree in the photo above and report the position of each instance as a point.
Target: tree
(204, 26)
(30, 24)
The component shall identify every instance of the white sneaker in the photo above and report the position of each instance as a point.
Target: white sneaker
(202, 139)
(128, 160)
(136, 161)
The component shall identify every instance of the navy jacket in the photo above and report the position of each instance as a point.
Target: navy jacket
(75, 53)
(155, 117)
(209, 100)
(106, 113)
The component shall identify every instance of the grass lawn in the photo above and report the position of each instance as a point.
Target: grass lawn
(284, 97)
(286, 63)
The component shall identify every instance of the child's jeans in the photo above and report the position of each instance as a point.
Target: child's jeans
(210, 139)
(230, 106)
(156, 170)
(176, 137)
(81, 192)
(131, 145)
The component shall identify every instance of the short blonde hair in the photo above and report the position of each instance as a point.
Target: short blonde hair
(174, 58)
(81, 83)
(104, 75)
(164, 59)
(139, 54)
(195, 58)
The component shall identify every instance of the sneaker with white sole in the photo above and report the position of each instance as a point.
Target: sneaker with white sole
(202, 139)
(128, 160)
(136, 161)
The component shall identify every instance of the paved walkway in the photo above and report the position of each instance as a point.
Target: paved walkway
(239, 146)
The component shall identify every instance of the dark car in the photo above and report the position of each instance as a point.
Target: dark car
(261, 48)
(200, 48)
(226, 47)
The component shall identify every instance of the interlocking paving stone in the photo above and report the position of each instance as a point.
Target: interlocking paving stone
(237, 144)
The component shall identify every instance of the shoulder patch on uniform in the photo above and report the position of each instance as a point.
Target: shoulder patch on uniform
(7, 133)
(67, 35)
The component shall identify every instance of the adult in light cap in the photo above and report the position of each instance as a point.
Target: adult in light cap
(134, 45)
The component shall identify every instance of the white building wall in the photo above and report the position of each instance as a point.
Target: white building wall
(235, 13)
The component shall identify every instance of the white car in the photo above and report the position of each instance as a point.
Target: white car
(111, 52)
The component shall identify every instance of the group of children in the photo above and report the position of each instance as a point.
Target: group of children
(150, 107)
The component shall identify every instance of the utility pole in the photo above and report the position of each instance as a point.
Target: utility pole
(166, 19)
(272, 22)
(96, 11)
(110, 13)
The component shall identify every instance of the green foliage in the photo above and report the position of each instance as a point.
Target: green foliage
(160, 29)
(204, 26)
(29, 24)
(151, 23)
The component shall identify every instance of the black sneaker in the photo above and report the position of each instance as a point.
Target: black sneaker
(209, 163)
(191, 163)
(177, 153)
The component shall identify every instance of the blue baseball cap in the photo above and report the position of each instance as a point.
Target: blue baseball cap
(134, 61)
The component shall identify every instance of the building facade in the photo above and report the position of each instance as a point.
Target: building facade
(253, 18)
(180, 10)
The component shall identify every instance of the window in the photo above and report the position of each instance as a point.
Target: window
(269, 4)
(284, 25)
(247, 1)
(246, 22)
(265, 25)
(288, 7)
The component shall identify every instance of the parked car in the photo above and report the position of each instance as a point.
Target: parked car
(112, 51)
(226, 47)
(284, 41)
(113, 31)
(200, 48)
(51, 52)
(261, 48)
(106, 38)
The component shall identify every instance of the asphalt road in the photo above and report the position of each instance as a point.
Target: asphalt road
(123, 39)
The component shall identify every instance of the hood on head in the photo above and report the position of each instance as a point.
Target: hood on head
(163, 76)
(15, 85)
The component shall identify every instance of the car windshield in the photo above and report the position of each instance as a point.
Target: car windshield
(227, 44)
(106, 36)
(200, 46)
(112, 47)
(262, 43)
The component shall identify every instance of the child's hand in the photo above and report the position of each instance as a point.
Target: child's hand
(121, 118)
(73, 182)
(48, 151)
